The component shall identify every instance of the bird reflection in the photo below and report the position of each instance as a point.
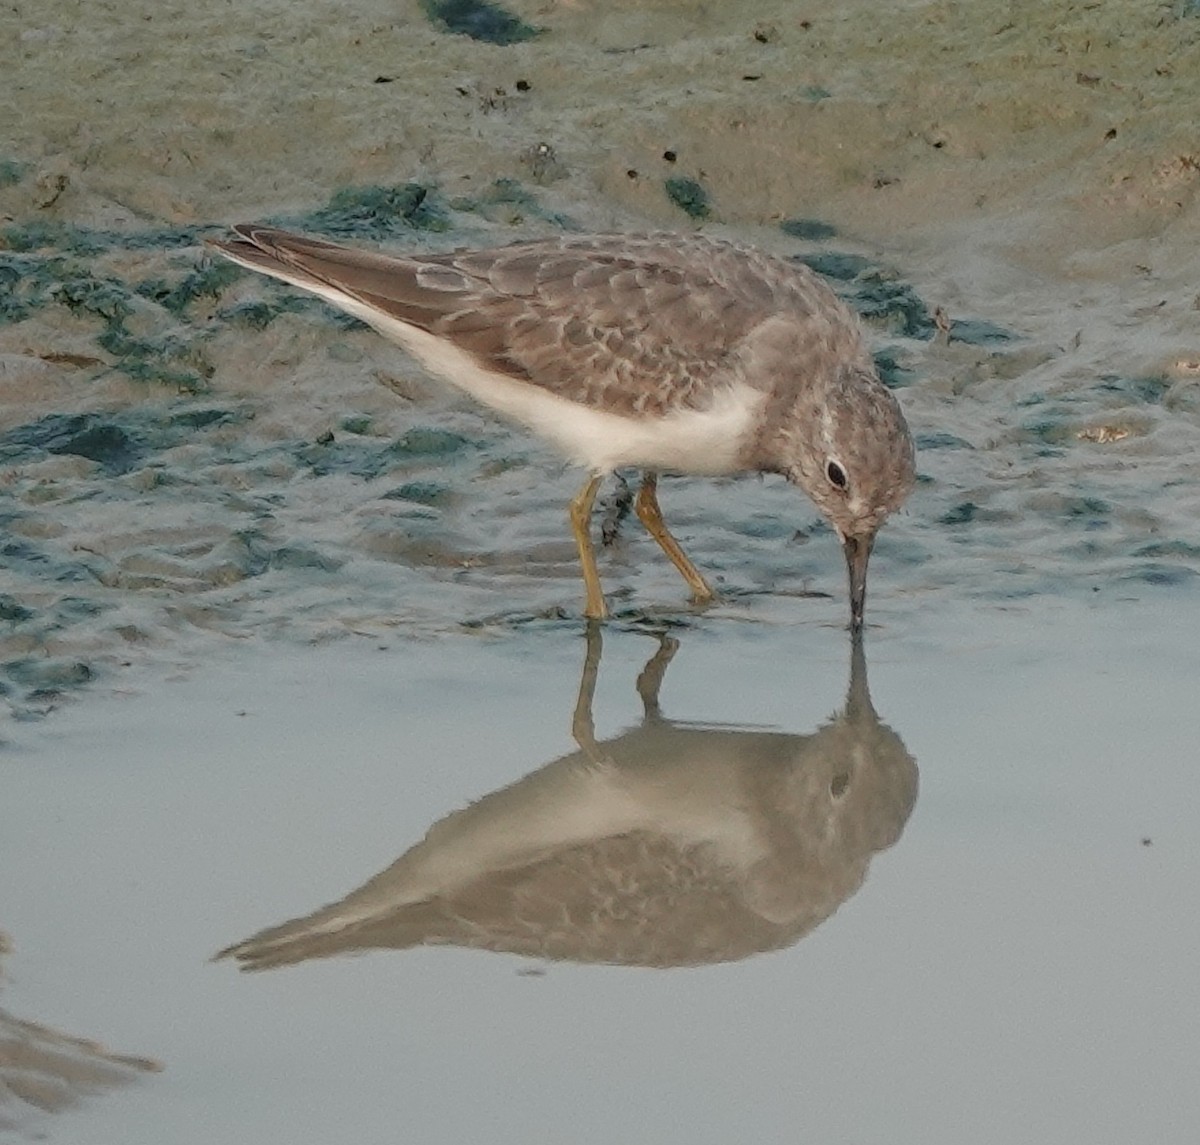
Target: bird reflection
(44, 1071)
(673, 844)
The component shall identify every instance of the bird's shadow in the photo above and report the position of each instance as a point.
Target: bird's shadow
(671, 844)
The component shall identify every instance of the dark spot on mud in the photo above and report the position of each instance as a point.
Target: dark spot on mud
(927, 441)
(479, 20)
(812, 230)
(431, 493)
(249, 315)
(11, 172)
(835, 264)
(209, 280)
(428, 441)
(14, 612)
(302, 557)
(1164, 576)
(1148, 389)
(373, 212)
(894, 373)
(892, 305)
(978, 332)
(688, 196)
(80, 435)
(508, 202)
(46, 676)
(962, 514)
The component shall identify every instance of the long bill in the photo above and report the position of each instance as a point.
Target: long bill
(858, 553)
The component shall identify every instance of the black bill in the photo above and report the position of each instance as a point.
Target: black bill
(858, 553)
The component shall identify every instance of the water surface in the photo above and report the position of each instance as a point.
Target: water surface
(1017, 964)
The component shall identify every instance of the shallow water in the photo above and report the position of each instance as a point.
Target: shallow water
(1018, 964)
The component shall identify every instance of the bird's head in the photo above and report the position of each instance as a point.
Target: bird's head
(852, 453)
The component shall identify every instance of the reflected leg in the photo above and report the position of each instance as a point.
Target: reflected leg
(649, 682)
(582, 726)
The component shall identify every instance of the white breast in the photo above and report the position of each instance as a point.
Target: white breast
(688, 441)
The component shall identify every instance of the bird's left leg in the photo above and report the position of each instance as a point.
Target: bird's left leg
(650, 515)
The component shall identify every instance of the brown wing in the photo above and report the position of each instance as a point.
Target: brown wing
(636, 323)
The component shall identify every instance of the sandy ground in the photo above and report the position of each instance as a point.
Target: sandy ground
(1067, 126)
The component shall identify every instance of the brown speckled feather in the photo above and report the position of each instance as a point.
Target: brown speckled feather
(630, 324)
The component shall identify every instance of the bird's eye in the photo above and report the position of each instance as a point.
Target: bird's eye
(836, 474)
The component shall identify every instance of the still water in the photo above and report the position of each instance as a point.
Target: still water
(723, 890)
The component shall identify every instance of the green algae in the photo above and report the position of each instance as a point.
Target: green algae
(174, 358)
(12, 171)
(508, 201)
(811, 230)
(27, 283)
(892, 305)
(13, 612)
(479, 20)
(689, 196)
(90, 436)
(930, 441)
(431, 493)
(1146, 389)
(117, 443)
(302, 557)
(962, 514)
(892, 372)
(837, 264)
(40, 234)
(249, 315)
(978, 332)
(428, 441)
(105, 298)
(208, 279)
(374, 212)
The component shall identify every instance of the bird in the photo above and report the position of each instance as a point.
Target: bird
(664, 352)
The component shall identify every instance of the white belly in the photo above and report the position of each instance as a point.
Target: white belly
(688, 441)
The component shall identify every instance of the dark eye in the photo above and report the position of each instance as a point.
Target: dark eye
(836, 474)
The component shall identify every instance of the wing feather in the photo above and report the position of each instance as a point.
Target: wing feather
(631, 323)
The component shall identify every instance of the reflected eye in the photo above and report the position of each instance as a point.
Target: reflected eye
(836, 474)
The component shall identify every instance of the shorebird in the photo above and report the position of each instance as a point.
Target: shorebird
(675, 353)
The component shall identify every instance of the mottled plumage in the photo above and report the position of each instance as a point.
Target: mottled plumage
(665, 352)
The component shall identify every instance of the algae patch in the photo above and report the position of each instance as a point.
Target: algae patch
(689, 196)
(479, 20)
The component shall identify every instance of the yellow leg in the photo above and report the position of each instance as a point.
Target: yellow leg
(651, 516)
(581, 525)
